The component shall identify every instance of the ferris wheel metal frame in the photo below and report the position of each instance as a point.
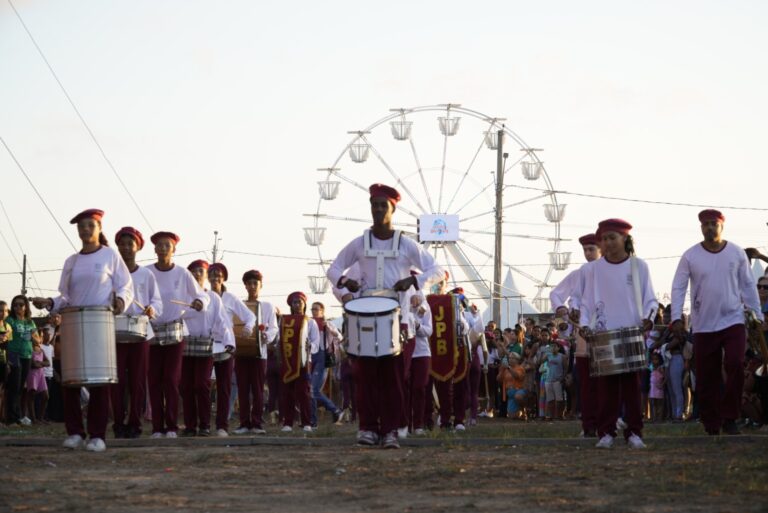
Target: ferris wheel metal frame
(360, 148)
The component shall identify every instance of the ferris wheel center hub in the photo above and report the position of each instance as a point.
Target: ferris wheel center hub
(438, 228)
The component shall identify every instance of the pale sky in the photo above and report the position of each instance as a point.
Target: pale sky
(216, 116)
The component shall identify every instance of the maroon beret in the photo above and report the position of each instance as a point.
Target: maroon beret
(296, 295)
(711, 215)
(196, 264)
(165, 235)
(379, 189)
(221, 267)
(613, 225)
(253, 274)
(133, 232)
(589, 239)
(93, 213)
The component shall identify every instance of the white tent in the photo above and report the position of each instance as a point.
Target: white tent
(513, 304)
(757, 269)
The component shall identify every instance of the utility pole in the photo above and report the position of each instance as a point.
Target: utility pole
(24, 277)
(499, 210)
(216, 240)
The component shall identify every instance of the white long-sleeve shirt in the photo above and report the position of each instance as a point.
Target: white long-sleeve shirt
(211, 322)
(328, 339)
(145, 293)
(90, 279)
(268, 318)
(423, 324)
(722, 284)
(568, 289)
(177, 284)
(608, 299)
(235, 306)
(410, 256)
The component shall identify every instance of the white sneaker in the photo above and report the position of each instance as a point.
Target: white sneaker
(402, 432)
(635, 442)
(25, 421)
(286, 429)
(171, 434)
(74, 442)
(460, 428)
(307, 429)
(222, 432)
(157, 435)
(419, 432)
(606, 442)
(96, 445)
(483, 414)
(258, 431)
(241, 430)
(620, 424)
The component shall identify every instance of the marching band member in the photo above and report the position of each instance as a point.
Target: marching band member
(250, 418)
(612, 288)
(469, 320)
(327, 343)
(298, 333)
(211, 326)
(132, 357)
(382, 266)
(419, 377)
(96, 276)
(566, 293)
(722, 286)
(177, 285)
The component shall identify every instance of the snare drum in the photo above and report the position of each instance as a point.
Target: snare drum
(616, 352)
(88, 351)
(168, 334)
(131, 328)
(373, 326)
(199, 347)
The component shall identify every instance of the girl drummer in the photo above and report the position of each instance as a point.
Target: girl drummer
(196, 369)
(95, 276)
(608, 302)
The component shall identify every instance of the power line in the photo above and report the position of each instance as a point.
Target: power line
(266, 255)
(635, 200)
(82, 119)
(18, 164)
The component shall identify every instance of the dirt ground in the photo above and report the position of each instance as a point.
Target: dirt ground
(499, 465)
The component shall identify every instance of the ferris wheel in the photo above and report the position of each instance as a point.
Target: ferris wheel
(444, 160)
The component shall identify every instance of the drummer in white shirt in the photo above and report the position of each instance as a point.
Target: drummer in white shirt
(382, 377)
(420, 361)
(608, 302)
(212, 324)
(179, 292)
(95, 276)
(132, 357)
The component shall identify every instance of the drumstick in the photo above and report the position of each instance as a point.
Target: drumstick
(182, 303)
(139, 305)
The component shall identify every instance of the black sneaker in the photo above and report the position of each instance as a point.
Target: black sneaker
(204, 432)
(730, 428)
(133, 433)
(337, 416)
(189, 432)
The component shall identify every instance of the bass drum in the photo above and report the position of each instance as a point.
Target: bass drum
(88, 348)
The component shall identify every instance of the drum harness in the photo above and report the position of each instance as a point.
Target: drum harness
(380, 255)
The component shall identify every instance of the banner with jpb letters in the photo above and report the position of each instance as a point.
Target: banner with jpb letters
(442, 342)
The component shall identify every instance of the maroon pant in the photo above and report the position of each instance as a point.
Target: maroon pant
(223, 371)
(196, 391)
(587, 395)
(444, 391)
(418, 390)
(405, 363)
(131, 374)
(475, 373)
(716, 404)
(292, 394)
(460, 399)
(273, 382)
(250, 372)
(98, 411)
(164, 377)
(616, 391)
(379, 393)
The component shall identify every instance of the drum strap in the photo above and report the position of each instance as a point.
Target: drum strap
(381, 254)
(636, 287)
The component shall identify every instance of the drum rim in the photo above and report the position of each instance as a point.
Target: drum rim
(95, 308)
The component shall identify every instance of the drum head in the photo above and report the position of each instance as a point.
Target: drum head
(371, 305)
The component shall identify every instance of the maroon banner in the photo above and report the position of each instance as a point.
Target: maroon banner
(292, 350)
(463, 363)
(442, 342)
